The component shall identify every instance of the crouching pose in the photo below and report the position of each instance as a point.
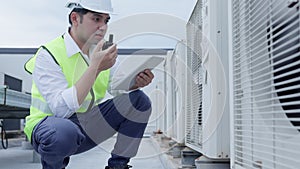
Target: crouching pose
(68, 114)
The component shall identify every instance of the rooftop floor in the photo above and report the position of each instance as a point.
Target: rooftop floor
(148, 157)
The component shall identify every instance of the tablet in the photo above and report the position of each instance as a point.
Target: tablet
(124, 75)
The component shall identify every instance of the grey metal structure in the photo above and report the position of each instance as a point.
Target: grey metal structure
(13, 104)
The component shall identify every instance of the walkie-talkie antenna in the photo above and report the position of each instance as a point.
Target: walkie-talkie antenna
(108, 43)
(111, 37)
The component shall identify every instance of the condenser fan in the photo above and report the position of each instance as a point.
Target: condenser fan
(284, 49)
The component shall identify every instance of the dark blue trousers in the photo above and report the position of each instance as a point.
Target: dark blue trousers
(56, 139)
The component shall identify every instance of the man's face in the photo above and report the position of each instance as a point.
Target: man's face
(93, 26)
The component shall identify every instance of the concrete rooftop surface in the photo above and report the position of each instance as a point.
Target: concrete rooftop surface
(148, 157)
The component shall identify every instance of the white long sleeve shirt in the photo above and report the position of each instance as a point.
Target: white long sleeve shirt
(52, 84)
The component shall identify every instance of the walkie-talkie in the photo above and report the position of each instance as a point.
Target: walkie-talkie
(108, 43)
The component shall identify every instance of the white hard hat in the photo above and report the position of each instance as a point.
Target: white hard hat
(100, 6)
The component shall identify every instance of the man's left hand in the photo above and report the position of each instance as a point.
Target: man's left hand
(143, 79)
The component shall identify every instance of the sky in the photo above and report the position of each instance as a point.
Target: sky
(31, 23)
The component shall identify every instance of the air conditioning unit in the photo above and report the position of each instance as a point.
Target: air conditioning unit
(180, 75)
(175, 76)
(266, 84)
(207, 115)
(161, 102)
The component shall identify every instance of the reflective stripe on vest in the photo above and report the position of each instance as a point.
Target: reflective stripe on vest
(43, 106)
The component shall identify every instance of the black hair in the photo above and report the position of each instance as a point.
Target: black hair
(80, 11)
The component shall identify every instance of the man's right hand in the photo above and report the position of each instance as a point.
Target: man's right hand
(103, 59)
(100, 61)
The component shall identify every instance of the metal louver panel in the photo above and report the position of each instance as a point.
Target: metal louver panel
(194, 86)
(266, 84)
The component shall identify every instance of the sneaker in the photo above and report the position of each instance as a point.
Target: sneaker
(127, 167)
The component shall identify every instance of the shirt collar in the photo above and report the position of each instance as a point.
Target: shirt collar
(71, 46)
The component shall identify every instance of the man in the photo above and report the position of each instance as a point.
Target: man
(68, 114)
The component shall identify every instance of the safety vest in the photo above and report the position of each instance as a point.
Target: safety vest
(73, 68)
